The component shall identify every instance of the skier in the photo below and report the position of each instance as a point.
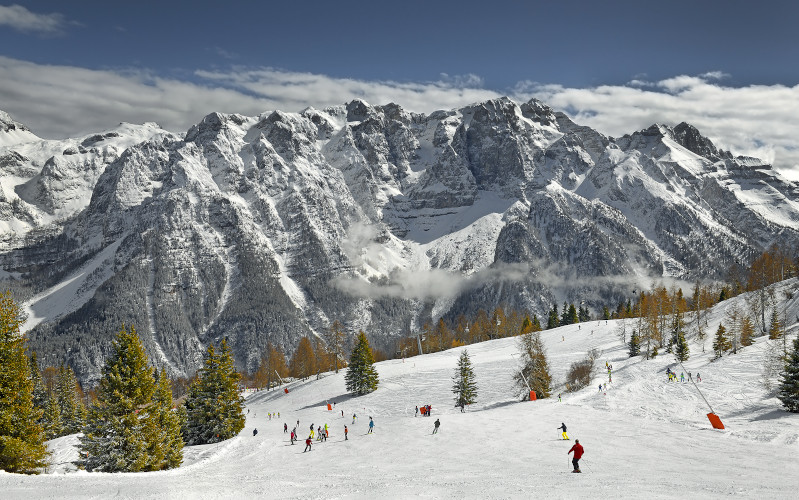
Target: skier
(308, 443)
(417, 412)
(285, 427)
(353, 418)
(600, 387)
(371, 425)
(435, 428)
(578, 453)
(559, 398)
(563, 426)
(689, 377)
(293, 435)
(682, 377)
(610, 378)
(312, 431)
(346, 431)
(342, 413)
(254, 432)
(327, 433)
(461, 408)
(698, 377)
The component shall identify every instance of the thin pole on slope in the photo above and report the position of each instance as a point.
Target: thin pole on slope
(697, 387)
(522, 375)
(279, 378)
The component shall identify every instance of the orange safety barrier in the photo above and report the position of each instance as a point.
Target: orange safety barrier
(715, 421)
(532, 396)
(286, 390)
(329, 407)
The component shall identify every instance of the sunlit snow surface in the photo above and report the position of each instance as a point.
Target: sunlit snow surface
(644, 437)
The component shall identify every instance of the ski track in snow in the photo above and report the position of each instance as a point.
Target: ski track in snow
(644, 437)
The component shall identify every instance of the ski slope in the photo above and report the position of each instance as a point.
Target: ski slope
(644, 437)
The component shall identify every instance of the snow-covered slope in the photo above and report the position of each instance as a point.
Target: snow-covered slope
(644, 437)
(268, 228)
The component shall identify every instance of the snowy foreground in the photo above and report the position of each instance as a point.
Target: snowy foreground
(644, 437)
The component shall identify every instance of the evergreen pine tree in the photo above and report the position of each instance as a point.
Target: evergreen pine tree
(536, 324)
(553, 320)
(51, 421)
(361, 377)
(634, 345)
(165, 449)
(464, 387)
(69, 402)
(789, 385)
(115, 437)
(605, 313)
(22, 446)
(721, 343)
(775, 325)
(747, 331)
(681, 350)
(535, 368)
(40, 398)
(214, 406)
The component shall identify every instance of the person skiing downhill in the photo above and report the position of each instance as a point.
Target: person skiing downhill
(285, 427)
(308, 443)
(435, 426)
(578, 454)
(353, 418)
(371, 425)
(293, 435)
(346, 431)
(563, 426)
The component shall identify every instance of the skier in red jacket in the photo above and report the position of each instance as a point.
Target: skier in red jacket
(578, 453)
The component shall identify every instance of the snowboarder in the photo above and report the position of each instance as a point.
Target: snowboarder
(563, 426)
(578, 453)
(346, 431)
(254, 432)
(285, 428)
(308, 443)
(371, 425)
(435, 426)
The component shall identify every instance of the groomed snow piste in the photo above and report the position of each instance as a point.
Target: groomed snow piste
(644, 437)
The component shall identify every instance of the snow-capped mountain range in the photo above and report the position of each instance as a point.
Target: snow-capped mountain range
(270, 227)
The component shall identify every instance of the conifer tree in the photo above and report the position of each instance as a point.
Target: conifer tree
(22, 446)
(553, 320)
(51, 421)
(681, 350)
(464, 386)
(39, 390)
(165, 448)
(536, 324)
(214, 406)
(721, 343)
(789, 385)
(115, 436)
(534, 372)
(775, 325)
(634, 345)
(361, 375)
(747, 331)
(69, 402)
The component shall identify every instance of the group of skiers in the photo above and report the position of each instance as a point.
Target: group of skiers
(425, 410)
(673, 376)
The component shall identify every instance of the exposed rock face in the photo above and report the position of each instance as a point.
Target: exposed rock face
(268, 228)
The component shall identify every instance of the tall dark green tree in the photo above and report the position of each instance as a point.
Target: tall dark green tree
(69, 402)
(464, 383)
(534, 373)
(553, 320)
(214, 409)
(361, 377)
(39, 390)
(634, 345)
(115, 438)
(681, 350)
(165, 448)
(721, 343)
(789, 385)
(22, 446)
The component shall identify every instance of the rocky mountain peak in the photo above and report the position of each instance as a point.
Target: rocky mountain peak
(689, 137)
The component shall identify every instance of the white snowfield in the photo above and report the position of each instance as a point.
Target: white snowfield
(644, 437)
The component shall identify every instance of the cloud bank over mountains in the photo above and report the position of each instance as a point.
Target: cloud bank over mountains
(62, 101)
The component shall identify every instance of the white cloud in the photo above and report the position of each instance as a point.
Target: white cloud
(756, 120)
(61, 101)
(21, 19)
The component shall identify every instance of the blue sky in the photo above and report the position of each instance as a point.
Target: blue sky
(725, 66)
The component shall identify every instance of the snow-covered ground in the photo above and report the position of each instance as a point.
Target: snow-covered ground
(644, 437)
